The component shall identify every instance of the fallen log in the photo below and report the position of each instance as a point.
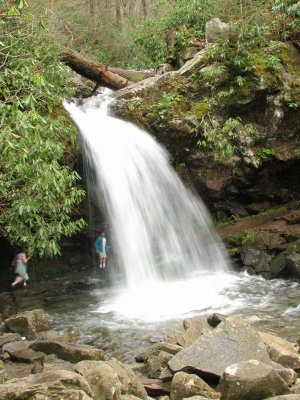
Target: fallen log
(113, 78)
(93, 71)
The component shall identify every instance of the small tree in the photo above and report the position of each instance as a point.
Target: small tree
(38, 191)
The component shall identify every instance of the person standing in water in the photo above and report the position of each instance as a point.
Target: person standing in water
(101, 249)
(20, 264)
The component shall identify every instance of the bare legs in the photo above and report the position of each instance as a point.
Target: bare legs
(19, 279)
(102, 262)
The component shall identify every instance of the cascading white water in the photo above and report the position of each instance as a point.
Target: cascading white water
(160, 230)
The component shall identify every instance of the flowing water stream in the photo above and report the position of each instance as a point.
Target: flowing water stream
(169, 263)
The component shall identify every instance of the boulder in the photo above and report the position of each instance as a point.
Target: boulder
(67, 351)
(281, 351)
(158, 347)
(28, 323)
(188, 385)
(198, 324)
(111, 379)
(21, 345)
(215, 319)
(287, 374)
(69, 335)
(27, 356)
(233, 341)
(215, 30)
(156, 359)
(157, 363)
(251, 380)
(8, 338)
(47, 386)
(287, 263)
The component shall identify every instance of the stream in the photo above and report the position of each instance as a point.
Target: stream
(127, 321)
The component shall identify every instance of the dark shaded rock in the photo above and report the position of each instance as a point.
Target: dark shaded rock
(155, 388)
(287, 263)
(215, 319)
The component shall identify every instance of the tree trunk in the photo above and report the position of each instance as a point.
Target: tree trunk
(113, 78)
(93, 71)
(120, 15)
(144, 8)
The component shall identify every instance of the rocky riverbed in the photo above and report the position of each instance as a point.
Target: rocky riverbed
(218, 357)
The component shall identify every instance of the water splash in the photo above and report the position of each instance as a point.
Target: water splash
(160, 230)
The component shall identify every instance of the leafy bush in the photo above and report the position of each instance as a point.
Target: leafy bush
(38, 192)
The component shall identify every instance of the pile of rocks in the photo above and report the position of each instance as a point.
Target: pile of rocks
(222, 357)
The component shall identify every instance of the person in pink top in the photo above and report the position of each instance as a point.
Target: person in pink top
(20, 263)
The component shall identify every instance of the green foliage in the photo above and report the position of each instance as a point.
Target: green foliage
(265, 152)
(287, 18)
(222, 138)
(38, 192)
(167, 101)
(150, 35)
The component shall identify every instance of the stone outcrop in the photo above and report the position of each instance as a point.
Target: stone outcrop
(231, 342)
(47, 385)
(281, 351)
(231, 361)
(251, 380)
(110, 380)
(28, 323)
(68, 351)
(187, 385)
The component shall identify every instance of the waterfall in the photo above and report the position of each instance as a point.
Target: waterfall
(160, 230)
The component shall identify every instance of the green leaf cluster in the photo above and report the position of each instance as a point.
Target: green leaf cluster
(38, 190)
(222, 137)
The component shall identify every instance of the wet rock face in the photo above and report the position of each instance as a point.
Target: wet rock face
(269, 253)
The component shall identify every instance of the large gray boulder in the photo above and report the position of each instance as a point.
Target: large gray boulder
(188, 385)
(28, 323)
(110, 380)
(233, 341)
(251, 380)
